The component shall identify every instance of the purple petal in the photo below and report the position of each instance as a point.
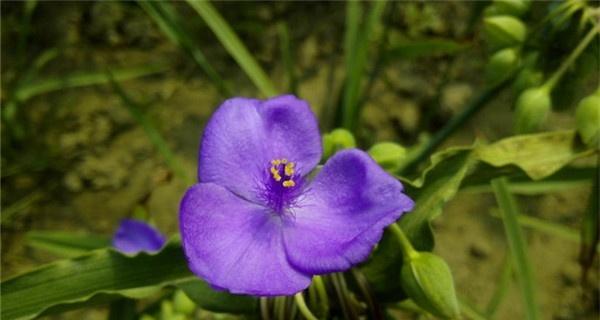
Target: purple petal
(235, 244)
(134, 236)
(244, 135)
(343, 214)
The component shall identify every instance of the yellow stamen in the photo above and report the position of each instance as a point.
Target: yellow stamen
(289, 169)
(284, 160)
(289, 183)
(275, 162)
(275, 174)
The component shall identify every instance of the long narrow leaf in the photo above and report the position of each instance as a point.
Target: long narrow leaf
(102, 271)
(83, 79)
(234, 46)
(517, 246)
(105, 275)
(357, 43)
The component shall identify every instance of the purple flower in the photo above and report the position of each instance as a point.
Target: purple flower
(134, 236)
(256, 224)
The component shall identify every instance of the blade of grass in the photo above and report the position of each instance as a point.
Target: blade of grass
(590, 236)
(517, 246)
(287, 57)
(169, 22)
(82, 79)
(532, 187)
(356, 46)
(234, 46)
(547, 227)
(501, 288)
(155, 137)
(24, 30)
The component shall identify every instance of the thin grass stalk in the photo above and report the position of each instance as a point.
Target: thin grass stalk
(234, 46)
(517, 246)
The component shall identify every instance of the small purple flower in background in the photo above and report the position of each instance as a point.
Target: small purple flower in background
(256, 225)
(134, 236)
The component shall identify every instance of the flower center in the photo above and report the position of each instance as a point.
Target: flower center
(283, 185)
(283, 167)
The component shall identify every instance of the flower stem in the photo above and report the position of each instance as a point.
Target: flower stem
(299, 298)
(320, 286)
(407, 249)
(553, 80)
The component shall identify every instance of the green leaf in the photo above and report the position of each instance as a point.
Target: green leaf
(411, 49)
(66, 244)
(520, 183)
(98, 277)
(81, 79)
(218, 301)
(539, 155)
(234, 46)
(517, 246)
(440, 184)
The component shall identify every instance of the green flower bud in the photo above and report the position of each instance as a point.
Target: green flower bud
(166, 310)
(504, 31)
(336, 140)
(512, 7)
(528, 78)
(427, 280)
(389, 155)
(501, 65)
(182, 303)
(587, 117)
(532, 109)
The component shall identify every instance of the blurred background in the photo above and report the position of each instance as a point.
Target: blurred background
(104, 102)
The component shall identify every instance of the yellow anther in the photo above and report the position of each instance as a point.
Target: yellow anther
(275, 174)
(289, 183)
(284, 160)
(275, 162)
(289, 169)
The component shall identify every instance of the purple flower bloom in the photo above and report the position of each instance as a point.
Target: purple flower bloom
(134, 236)
(255, 224)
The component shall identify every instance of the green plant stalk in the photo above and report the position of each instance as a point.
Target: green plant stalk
(356, 54)
(456, 122)
(470, 311)
(264, 308)
(517, 246)
(299, 298)
(501, 288)
(322, 292)
(25, 28)
(553, 80)
(287, 57)
(168, 21)
(234, 46)
(155, 137)
(407, 249)
(279, 307)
